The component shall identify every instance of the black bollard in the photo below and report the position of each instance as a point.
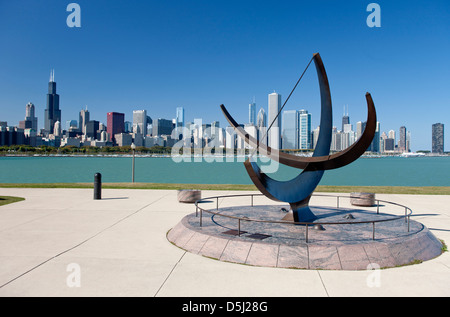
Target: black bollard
(97, 186)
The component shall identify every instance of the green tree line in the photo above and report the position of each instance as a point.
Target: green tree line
(73, 150)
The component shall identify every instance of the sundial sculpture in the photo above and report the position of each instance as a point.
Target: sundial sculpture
(297, 191)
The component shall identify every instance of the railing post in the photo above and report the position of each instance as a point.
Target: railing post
(217, 203)
(252, 200)
(406, 212)
(378, 206)
(306, 234)
(200, 217)
(408, 223)
(373, 230)
(337, 202)
(196, 210)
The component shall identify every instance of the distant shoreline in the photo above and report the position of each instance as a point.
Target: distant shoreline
(196, 155)
(426, 190)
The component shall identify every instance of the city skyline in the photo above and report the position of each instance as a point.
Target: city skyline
(199, 61)
(292, 130)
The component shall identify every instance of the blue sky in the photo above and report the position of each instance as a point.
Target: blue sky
(158, 55)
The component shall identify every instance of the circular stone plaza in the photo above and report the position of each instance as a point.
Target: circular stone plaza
(343, 237)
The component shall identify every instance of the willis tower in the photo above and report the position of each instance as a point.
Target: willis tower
(52, 112)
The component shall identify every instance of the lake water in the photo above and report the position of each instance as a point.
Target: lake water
(384, 171)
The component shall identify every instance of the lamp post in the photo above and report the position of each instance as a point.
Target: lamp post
(133, 147)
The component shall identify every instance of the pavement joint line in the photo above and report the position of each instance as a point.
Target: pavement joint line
(448, 267)
(223, 250)
(365, 252)
(340, 262)
(323, 284)
(81, 243)
(170, 273)
(248, 253)
(39, 218)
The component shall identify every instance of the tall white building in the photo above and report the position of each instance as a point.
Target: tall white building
(140, 122)
(230, 138)
(57, 129)
(360, 126)
(252, 131)
(349, 136)
(275, 124)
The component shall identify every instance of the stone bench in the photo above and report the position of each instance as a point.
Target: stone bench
(362, 199)
(189, 196)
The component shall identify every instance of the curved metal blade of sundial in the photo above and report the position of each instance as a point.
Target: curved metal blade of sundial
(297, 191)
(301, 187)
(322, 162)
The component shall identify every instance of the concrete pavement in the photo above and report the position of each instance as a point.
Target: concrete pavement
(60, 242)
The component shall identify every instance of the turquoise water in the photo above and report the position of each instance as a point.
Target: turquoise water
(385, 171)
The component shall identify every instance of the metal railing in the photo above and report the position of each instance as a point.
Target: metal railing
(199, 211)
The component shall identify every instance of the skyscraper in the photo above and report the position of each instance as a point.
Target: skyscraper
(115, 124)
(391, 135)
(304, 142)
(30, 116)
(402, 140)
(92, 128)
(290, 132)
(215, 129)
(437, 138)
(52, 112)
(140, 122)
(261, 121)
(375, 144)
(179, 121)
(345, 119)
(360, 127)
(71, 125)
(252, 113)
(57, 129)
(274, 108)
(162, 127)
(389, 144)
(84, 118)
(261, 124)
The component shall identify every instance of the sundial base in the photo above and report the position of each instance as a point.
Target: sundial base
(333, 247)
